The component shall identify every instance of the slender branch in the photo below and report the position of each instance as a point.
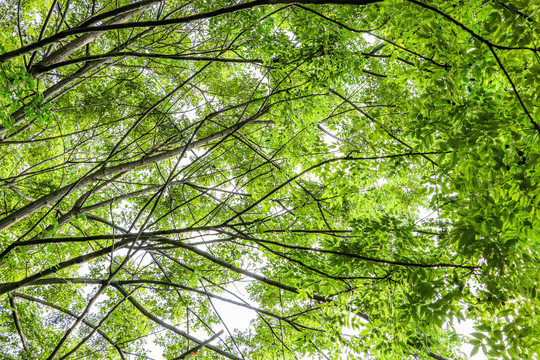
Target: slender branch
(248, 273)
(18, 326)
(168, 326)
(360, 257)
(195, 349)
(43, 29)
(344, 158)
(531, 119)
(65, 311)
(379, 124)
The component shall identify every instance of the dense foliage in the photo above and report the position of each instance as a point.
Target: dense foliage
(362, 175)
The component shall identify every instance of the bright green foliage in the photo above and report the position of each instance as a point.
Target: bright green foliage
(367, 171)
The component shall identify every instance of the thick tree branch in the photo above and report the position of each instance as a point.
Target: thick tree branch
(207, 15)
(112, 170)
(37, 71)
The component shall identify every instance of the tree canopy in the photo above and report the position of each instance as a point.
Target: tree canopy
(363, 175)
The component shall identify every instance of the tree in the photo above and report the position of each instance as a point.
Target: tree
(369, 168)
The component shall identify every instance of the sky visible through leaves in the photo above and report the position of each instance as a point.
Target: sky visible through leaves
(269, 179)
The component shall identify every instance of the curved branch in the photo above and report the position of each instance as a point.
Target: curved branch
(534, 123)
(472, 33)
(207, 15)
